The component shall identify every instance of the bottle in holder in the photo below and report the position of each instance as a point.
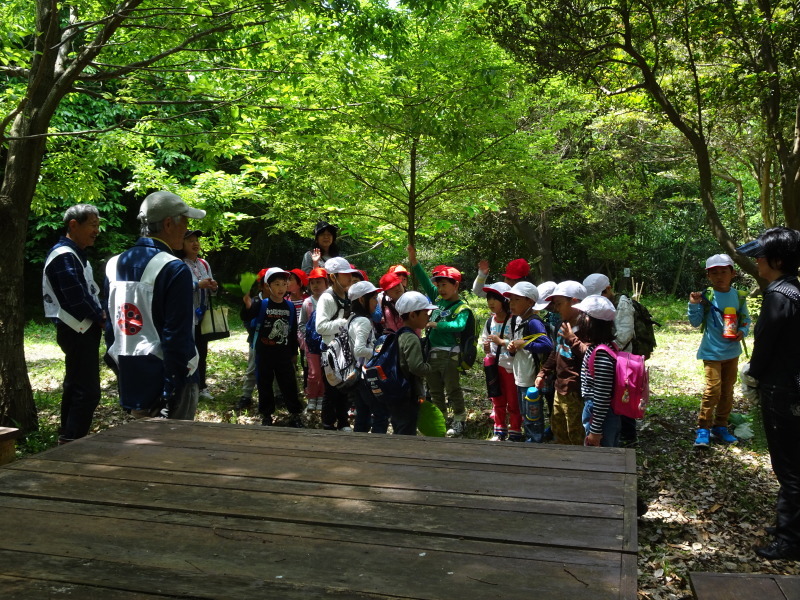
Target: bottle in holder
(730, 324)
(533, 416)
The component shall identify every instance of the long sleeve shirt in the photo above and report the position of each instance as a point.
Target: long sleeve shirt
(502, 330)
(66, 275)
(776, 352)
(330, 315)
(565, 361)
(480, 283)
(713, 346)
(599, 388)
(362, 339)
(450, 321)
(526, 360)
(412, 362)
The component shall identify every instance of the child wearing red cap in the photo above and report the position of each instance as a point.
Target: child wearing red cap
(393, 288)
(315, 387)
(446, 325)
(517, 270)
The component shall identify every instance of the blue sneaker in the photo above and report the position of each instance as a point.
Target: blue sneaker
(722, 435)
(702, 439)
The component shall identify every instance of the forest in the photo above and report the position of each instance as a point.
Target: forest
(631, 137)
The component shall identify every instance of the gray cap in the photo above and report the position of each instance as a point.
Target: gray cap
(161, 205)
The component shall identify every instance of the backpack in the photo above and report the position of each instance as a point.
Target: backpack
(644, 335)
(467, 337)
(382, 372)
(631, 382)
(338, 362)
(312, 337)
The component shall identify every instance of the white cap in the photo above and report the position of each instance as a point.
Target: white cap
(337, 264)
(544, 289)
(719, 260)
(360, 288)
(596, 283)
(525, 289)
(412, 301)
(597, 307)
(501, 287)
(160, 205)
(274, 271)
(569, 289)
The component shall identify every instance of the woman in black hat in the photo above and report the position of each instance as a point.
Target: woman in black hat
(775, 363)
(324, 247)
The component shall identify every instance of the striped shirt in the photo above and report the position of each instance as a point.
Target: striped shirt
(599, 388)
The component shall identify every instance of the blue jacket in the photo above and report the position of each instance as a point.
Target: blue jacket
(143, 380)
(713, 346)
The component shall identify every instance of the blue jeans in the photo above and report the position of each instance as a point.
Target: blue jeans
(612, 426)
(532, 416)
(370, 413)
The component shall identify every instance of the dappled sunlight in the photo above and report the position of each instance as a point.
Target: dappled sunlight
(141, 441)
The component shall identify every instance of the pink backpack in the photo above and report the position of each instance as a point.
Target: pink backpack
(631, 383)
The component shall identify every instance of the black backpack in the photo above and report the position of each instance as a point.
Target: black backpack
(644, 335)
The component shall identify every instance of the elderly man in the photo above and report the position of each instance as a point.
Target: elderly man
(150, 328)
(71, 300)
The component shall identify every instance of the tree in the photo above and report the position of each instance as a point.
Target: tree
(688, 57)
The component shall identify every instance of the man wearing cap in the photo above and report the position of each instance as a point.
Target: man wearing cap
(149, 332)
(516, 270)
(71, 300)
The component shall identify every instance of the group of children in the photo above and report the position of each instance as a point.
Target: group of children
(539, 337)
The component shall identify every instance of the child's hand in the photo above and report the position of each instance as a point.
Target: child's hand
(412, 254)
(695, 297)
(566, 331)
(515, 345)
(496, 339)
(739, 336)
(483, 266)
(248, 301)
(431, 325)
(593, 439)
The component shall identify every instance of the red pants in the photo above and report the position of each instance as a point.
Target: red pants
(507, 405)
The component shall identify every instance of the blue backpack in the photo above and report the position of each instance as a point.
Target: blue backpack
(313, 339)
(382, 372)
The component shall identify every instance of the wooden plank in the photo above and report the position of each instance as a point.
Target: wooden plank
(789, 585)
(734, 586)
(305, 561)
(28, 588)
(306, 488)
(421, 476)
(459, 450)
(484, 522)
(8, 450)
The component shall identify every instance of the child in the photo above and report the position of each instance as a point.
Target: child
(448, 322)
(296, 294)
(415, 310)
(392, 287)
(401, 272)
(275, 344)
(528, 340)
(333, 310)
(596, 326)
(495, 337)
(720, 347)
(565, 362)
(245, 402)
(517, 270)
(552, 321)
(315, 388)
(363, 300)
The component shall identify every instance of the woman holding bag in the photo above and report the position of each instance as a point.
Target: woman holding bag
(203, 285)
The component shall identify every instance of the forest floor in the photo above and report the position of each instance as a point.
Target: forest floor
(706, 508)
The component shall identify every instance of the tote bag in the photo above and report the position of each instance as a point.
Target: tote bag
(214, 325)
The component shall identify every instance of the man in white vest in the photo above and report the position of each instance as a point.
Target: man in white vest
(71, 300)
(150, 329)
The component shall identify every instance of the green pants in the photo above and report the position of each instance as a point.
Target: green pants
(444, 381)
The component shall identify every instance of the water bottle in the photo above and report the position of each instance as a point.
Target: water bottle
(532, 414)
(730, 325)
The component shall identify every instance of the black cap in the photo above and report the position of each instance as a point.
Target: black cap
(754, 249)
(322, 226)
(196, 232)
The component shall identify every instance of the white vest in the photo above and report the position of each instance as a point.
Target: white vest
(130, 304)
(52, 308)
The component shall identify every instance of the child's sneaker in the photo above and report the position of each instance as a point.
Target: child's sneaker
(515, 436)
(702, 440)
(721, 434)
(456, 429)
(499, 436)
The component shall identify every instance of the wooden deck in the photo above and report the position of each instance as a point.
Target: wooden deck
(175, 509)
(736, 586)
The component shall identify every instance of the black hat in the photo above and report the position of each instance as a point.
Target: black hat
(190, 233)
(322, 226)
(754, 249)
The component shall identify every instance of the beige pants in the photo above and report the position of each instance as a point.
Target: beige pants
(718, 396)
(566, 420)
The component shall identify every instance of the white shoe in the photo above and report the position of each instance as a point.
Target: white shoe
(496, 438)
(205, 394)
(347, 429)
(456, 429)
(311, 405)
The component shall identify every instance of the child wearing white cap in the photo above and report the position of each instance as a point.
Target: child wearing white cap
(275, 345)
(721, 313)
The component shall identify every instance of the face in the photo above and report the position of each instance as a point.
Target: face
(372, 304)
(519, 305)
(191, 246)
(395, 292)
(608, 293)
(766, 271)
(173, 233)
(510, 281)
(293, 285)
(84, 234)
(278, 287)
(324, 240)
(317, 286)
(418, 319)
(447, 289)
(563, 306)
(720, 277)
(494, 304)
(403, 279)
(343, 280)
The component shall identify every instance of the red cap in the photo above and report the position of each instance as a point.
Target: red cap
(261, 274)
(301, 275)
(448, 273)
(517, 269)
(363, 275)
(390, 280)
(438, 268)
(318, 273)
(397, 269)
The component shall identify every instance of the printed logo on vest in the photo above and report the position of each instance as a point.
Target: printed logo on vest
(129, 319)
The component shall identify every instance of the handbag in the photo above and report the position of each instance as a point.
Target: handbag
(491, 368)
(214, 325)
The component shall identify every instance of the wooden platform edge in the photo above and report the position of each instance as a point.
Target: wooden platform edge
(8, 438)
